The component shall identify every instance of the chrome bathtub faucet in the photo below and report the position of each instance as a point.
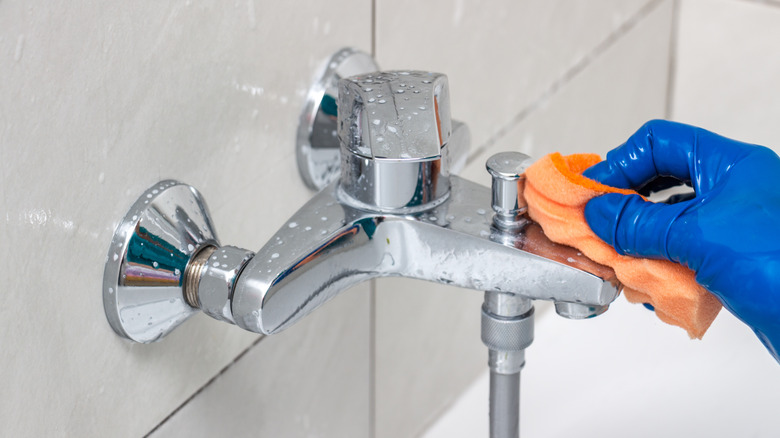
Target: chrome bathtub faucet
(392, 207)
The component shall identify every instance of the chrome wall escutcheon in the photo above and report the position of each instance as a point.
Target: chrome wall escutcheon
(145, 266)
(317, 144)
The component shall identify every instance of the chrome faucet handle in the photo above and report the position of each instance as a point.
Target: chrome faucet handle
(394, 128)
(395, 115)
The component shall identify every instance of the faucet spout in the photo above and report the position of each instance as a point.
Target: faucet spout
(328, 246)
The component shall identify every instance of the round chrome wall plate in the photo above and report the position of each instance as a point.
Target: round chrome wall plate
(317, 145)
(150, 250)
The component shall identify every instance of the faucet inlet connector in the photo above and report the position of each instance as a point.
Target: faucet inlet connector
(507, 330)
(218, 279)
(193, 273)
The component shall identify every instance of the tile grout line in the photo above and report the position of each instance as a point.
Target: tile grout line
(373, 29)
(205, 385)
(671, 80)
(568, 76)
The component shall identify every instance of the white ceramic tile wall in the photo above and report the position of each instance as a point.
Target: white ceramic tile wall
(98, 101)
(308, 381)
(727, 69)
(427, 336)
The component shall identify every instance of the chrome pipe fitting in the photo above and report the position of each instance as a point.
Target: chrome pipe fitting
(218, 279)
(507, 330)
(193, 273)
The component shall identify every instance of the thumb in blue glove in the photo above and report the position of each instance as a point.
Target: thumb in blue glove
(729, 234)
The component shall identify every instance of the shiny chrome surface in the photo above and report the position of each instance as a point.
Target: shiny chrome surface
(394, 129)
(317, 144)
(578, 311)
(504, 421)
(395, 115)
(507, 171)
(217, 281)
(149, 253)
(329, 245)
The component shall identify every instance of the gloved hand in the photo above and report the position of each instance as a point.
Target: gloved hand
(729, 234)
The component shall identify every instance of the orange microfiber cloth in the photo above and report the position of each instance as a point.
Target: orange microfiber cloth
(556, 193)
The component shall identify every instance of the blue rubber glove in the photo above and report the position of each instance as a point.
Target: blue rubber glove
(729, 234)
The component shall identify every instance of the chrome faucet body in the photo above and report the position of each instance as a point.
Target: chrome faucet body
(329, 245)
(397, 210)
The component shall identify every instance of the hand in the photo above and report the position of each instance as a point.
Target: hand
(729, 234)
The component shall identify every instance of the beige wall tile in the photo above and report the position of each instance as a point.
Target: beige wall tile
(97, 102)
(428, 346)
(310, 380)
(727, 69)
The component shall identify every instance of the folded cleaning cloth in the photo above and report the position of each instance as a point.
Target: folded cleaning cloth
(556, 193)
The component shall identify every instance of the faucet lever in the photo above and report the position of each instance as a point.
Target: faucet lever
(395, 115)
